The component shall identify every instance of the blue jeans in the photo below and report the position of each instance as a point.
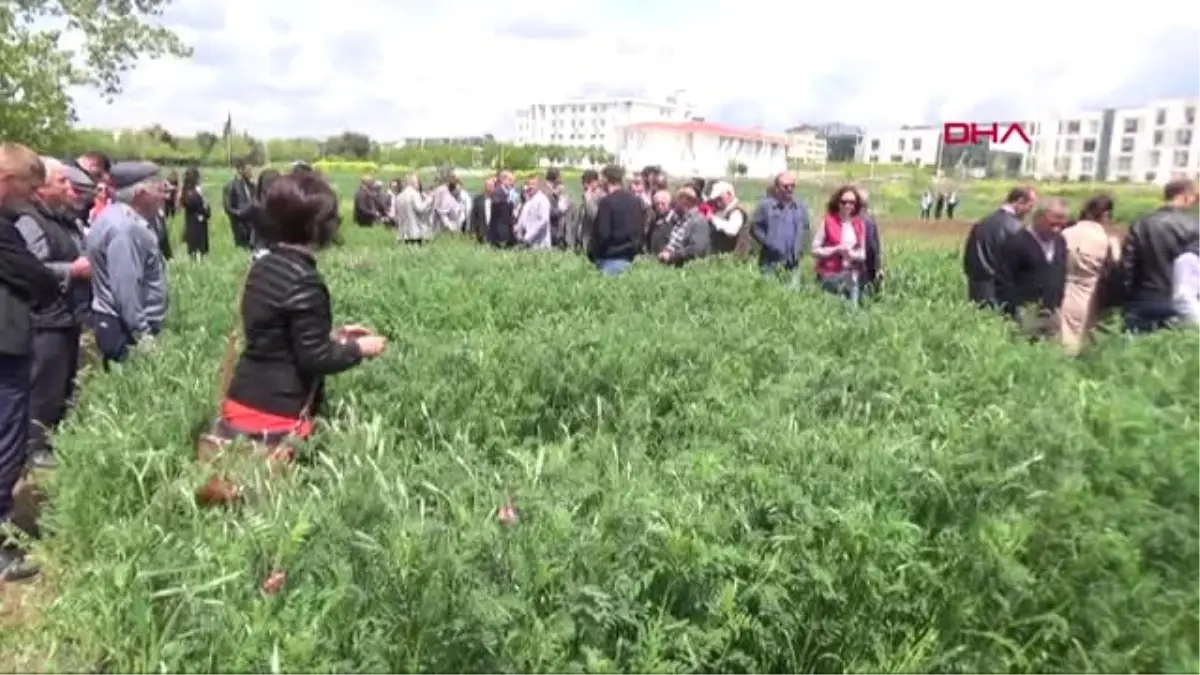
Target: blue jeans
(613, 266)
(843, 284)
(773, 271)
(15, 389)
(1147, 317)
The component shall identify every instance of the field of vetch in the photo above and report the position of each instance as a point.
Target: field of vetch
(709, 474)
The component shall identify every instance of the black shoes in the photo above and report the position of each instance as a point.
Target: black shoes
(14, 566)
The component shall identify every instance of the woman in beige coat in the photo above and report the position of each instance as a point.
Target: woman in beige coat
(1091, 257)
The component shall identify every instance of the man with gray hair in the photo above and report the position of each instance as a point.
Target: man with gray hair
(129, 284)
(1031, 271)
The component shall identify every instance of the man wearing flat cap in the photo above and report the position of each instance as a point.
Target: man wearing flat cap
(129, 284)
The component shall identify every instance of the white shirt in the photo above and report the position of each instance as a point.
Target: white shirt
(730, 225)
(1185, 283)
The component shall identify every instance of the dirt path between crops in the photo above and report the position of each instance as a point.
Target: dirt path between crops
(944, 231)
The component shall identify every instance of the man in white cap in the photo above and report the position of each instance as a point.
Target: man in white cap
(730, 225)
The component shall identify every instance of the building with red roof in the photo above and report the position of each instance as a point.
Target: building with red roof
(701, 148)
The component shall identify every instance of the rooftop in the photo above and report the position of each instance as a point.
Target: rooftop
(711, 129)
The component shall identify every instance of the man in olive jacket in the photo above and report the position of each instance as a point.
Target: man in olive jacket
(25, 284)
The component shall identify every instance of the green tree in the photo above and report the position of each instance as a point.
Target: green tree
(36, 72)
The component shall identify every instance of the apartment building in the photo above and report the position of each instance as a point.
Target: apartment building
(1152, 143)
(806, 145)
(595, 122)
(701, 149)
(912, 145)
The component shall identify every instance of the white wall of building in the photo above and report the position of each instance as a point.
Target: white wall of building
(915, 146)
(1151, 143)
(594, 122)
(700, 149)
(807, 147)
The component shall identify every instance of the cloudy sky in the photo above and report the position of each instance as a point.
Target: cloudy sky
(396, 68)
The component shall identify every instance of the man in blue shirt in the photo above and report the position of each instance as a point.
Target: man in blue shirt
(780, 225)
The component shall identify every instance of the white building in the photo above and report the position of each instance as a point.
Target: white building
(700, 149)
(593, 122)
(807, 146)
(918, 146)
(1152, 143)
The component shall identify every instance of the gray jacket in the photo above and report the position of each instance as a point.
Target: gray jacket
(447, 210)
(128, 273)
(697, 238)
(57, 240)
(413, 213)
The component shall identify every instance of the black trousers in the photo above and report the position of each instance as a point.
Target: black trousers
(55, 362)
(982, 292)
(14, 425)
(241, 233)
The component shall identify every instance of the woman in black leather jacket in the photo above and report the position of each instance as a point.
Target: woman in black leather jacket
(287, 320)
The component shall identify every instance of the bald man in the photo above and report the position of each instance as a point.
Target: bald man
(780, 225)
(1031, 273)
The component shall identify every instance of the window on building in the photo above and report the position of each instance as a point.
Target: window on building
(1093, 127)
(1181, 159)
(874, 159)
(1153, 157)
(1183, 137)
(1124, 163)
(901, 141)
(896, 159)
(1160, 117)
(1089, 145)
(1069, 145)
(1062, 164)
(1189, 114)
(1087, 164)
(874, 143)
(1131, 125)
(916, 145)
(1127, 144)
(1150, 176)
(1073, 127)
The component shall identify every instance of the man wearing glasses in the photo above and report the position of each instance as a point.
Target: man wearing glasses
(781, 225)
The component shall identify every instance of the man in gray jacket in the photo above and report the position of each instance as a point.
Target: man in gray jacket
(780, 225)
(413, 213)
(129, 283)
(691, 238)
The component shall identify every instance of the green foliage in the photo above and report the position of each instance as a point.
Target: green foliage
(36, 71)
(712, 474)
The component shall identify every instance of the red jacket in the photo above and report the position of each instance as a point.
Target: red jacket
(833, 236)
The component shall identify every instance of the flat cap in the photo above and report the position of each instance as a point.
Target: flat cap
(128, 174)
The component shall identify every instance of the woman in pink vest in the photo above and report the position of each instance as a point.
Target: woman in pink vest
(839, 246)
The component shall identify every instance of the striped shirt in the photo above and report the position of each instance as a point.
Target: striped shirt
(128, 272)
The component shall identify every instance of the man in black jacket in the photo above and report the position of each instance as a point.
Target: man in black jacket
(481, 210)
(985, 240)
(1031, 271)
(500, 229)
(366, 203)
(619, 226)
(239, 204)
(1149, 252)
(25, 284)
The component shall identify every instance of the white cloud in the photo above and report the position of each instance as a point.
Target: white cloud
(395, 68)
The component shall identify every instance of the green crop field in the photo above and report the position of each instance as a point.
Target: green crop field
(711, 474)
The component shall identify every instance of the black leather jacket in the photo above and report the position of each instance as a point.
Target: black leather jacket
(982, 254)
(25, 285)
(1149, 251)
(287, 318)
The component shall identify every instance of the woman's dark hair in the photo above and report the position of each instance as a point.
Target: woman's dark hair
(265, 178)
(301, 208)
(191, 179)
(834, 206)
(1096, 206)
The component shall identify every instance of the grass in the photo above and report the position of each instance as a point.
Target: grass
(711, 474)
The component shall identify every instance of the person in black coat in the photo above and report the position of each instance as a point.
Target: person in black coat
(501, 226)
(481, 211)
(1032, 271)
(620, 225)
(985, 240)
(239, 204)
(196, 214)
(25, 285)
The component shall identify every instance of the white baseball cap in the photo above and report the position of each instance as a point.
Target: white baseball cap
(719, 188)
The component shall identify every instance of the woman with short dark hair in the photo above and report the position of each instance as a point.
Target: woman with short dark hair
(277, 385)
(839, 245)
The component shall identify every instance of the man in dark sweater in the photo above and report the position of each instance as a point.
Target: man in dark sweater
(1031, 271)
(1148, 256)
(620, 221)
(986, 239)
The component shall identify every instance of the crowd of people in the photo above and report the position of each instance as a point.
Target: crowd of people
(1058, 277)
(83, 247)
